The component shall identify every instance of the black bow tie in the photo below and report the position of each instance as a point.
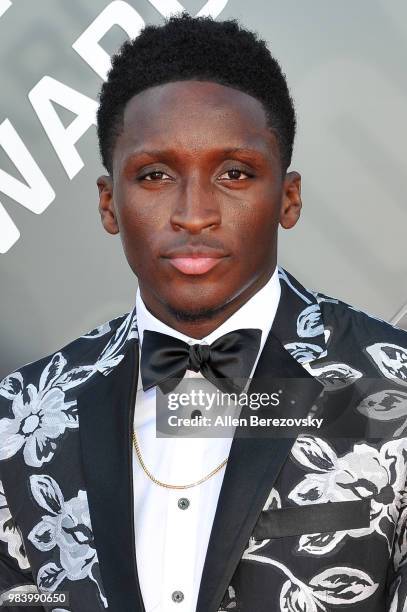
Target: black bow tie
(230, 357)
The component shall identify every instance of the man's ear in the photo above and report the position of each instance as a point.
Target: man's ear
(106, 204)
(291, 204)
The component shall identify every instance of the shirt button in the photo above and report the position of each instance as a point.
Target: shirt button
(177, 596)
(183, 504)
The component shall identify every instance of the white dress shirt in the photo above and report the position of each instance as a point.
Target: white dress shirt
(172, 541)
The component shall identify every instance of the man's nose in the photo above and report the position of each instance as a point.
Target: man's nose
(196, 208)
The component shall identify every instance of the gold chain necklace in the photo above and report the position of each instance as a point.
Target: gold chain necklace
(163, 484)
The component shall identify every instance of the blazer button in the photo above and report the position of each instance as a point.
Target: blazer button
(183, 503)
(177, 596)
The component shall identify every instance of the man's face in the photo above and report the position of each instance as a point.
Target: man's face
(197, 194)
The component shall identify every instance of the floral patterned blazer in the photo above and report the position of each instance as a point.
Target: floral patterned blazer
(313, 523)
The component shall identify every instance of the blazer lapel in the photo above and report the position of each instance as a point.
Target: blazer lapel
(254, 463)
(106, 409)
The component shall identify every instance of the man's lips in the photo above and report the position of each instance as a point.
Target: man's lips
(194, 259)
(194, 265)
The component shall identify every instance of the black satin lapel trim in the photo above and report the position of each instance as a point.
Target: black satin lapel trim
(250, 474)
(106, 410)
(252, 469)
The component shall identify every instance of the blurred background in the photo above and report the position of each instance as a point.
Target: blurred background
(61, 274)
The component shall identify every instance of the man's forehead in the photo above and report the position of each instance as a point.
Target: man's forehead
(193, 97)
(195, 115)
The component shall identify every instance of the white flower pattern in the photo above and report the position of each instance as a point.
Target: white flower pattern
(40, 416)
(309, 322)
(363, 473)
(335, 376)
(113, 352)
(334, 586)
(391, 360)
(9, 533)
(67, 527)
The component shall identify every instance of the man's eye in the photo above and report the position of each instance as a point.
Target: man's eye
(235, 174)
(155, 175)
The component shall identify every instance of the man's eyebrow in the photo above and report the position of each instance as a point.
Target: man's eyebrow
(259, 154)
(165, 153)
(150, 152)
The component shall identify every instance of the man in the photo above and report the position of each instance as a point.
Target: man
(196, 128)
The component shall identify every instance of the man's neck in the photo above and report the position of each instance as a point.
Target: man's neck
(202, 327)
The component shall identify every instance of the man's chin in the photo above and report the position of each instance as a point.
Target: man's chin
(196, 306)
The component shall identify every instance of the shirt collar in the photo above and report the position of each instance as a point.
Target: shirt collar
(298, 324)
(260, 308)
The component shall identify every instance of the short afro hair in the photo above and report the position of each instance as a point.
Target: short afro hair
(195, 48)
